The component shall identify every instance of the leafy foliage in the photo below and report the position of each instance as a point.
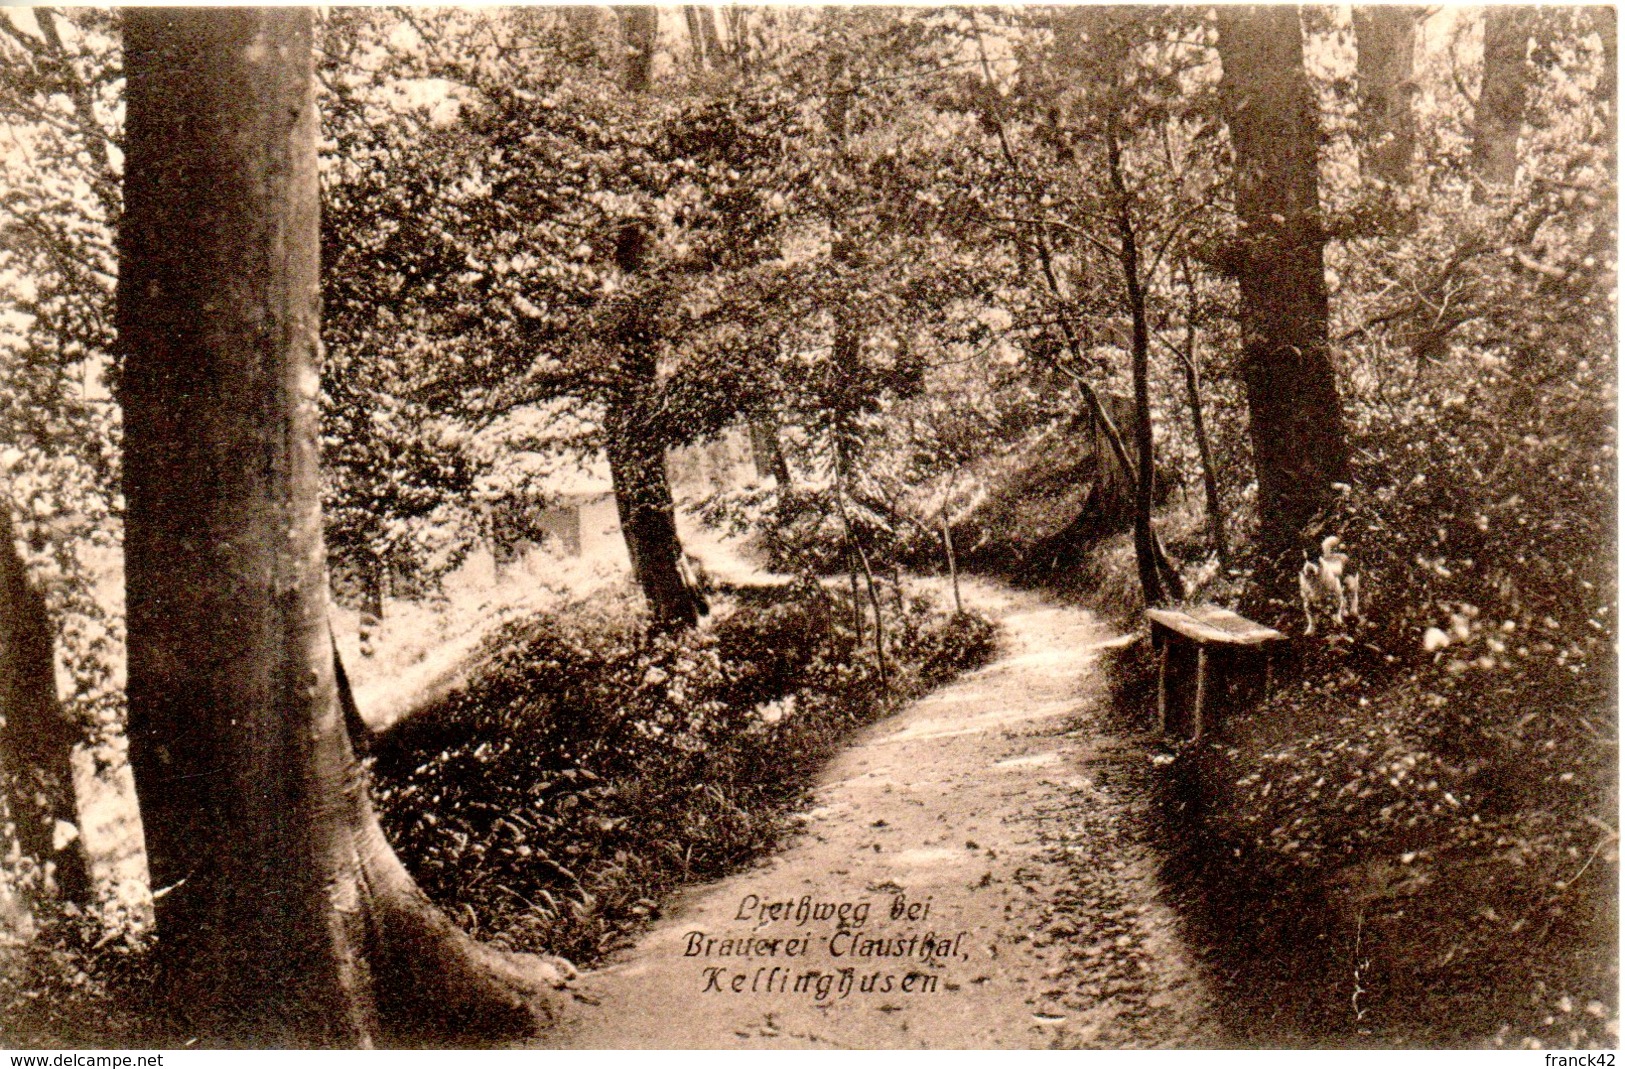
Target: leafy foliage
(555, 802)
(832, 226)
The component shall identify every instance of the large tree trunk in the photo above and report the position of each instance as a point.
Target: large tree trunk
(1385, 36)
(649, 524)
(1299, 446)
(283, 916)
(1498, 115)
(37, 737)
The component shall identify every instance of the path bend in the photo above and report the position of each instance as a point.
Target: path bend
(988, 806)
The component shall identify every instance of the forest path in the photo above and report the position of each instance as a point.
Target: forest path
(990, 802)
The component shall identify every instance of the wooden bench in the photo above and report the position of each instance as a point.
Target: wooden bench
(1220, 638)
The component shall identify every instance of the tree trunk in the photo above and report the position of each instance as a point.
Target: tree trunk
(1296, 417)
(1606, 19)
(767, 455)
(1143, 547)
(1145, 553)
(37, 737)
(1210, 480)
(857, 601)
(702, 35)
(846, 347)
(643, 500)
(708, 32)
(1193, 397)
(374, 578)
(649, 524)
(1385, 36)
(1498, 115)
(953, 562)
(283, 916)
(640, 29)
(855, 548)
(874, 605)
(637, 462)
(898, 597)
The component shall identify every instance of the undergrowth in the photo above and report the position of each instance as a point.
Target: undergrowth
(80, 981)
(1414, 841)
(1368, 875)
(555, 803)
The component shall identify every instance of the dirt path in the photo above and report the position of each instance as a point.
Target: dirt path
(987, 808)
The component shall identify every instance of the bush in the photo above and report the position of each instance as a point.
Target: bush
(595, 767)
(80, 981)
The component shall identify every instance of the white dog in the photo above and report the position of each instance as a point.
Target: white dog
(1329, 580)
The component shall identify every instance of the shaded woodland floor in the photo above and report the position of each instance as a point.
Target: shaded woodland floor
(990, 809)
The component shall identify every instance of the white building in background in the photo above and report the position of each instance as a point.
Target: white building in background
(571, 509)
(580, 517)
(570, 512)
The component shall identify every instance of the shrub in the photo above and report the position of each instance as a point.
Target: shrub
(80, 981)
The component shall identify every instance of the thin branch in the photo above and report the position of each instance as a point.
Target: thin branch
(1175, 229)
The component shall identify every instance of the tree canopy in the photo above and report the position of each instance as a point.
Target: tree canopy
(996, 287)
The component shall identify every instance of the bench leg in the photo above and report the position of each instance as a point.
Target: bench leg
(1201, 692)
(1162, 689)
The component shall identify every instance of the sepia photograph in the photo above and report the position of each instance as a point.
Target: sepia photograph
(713, 527)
